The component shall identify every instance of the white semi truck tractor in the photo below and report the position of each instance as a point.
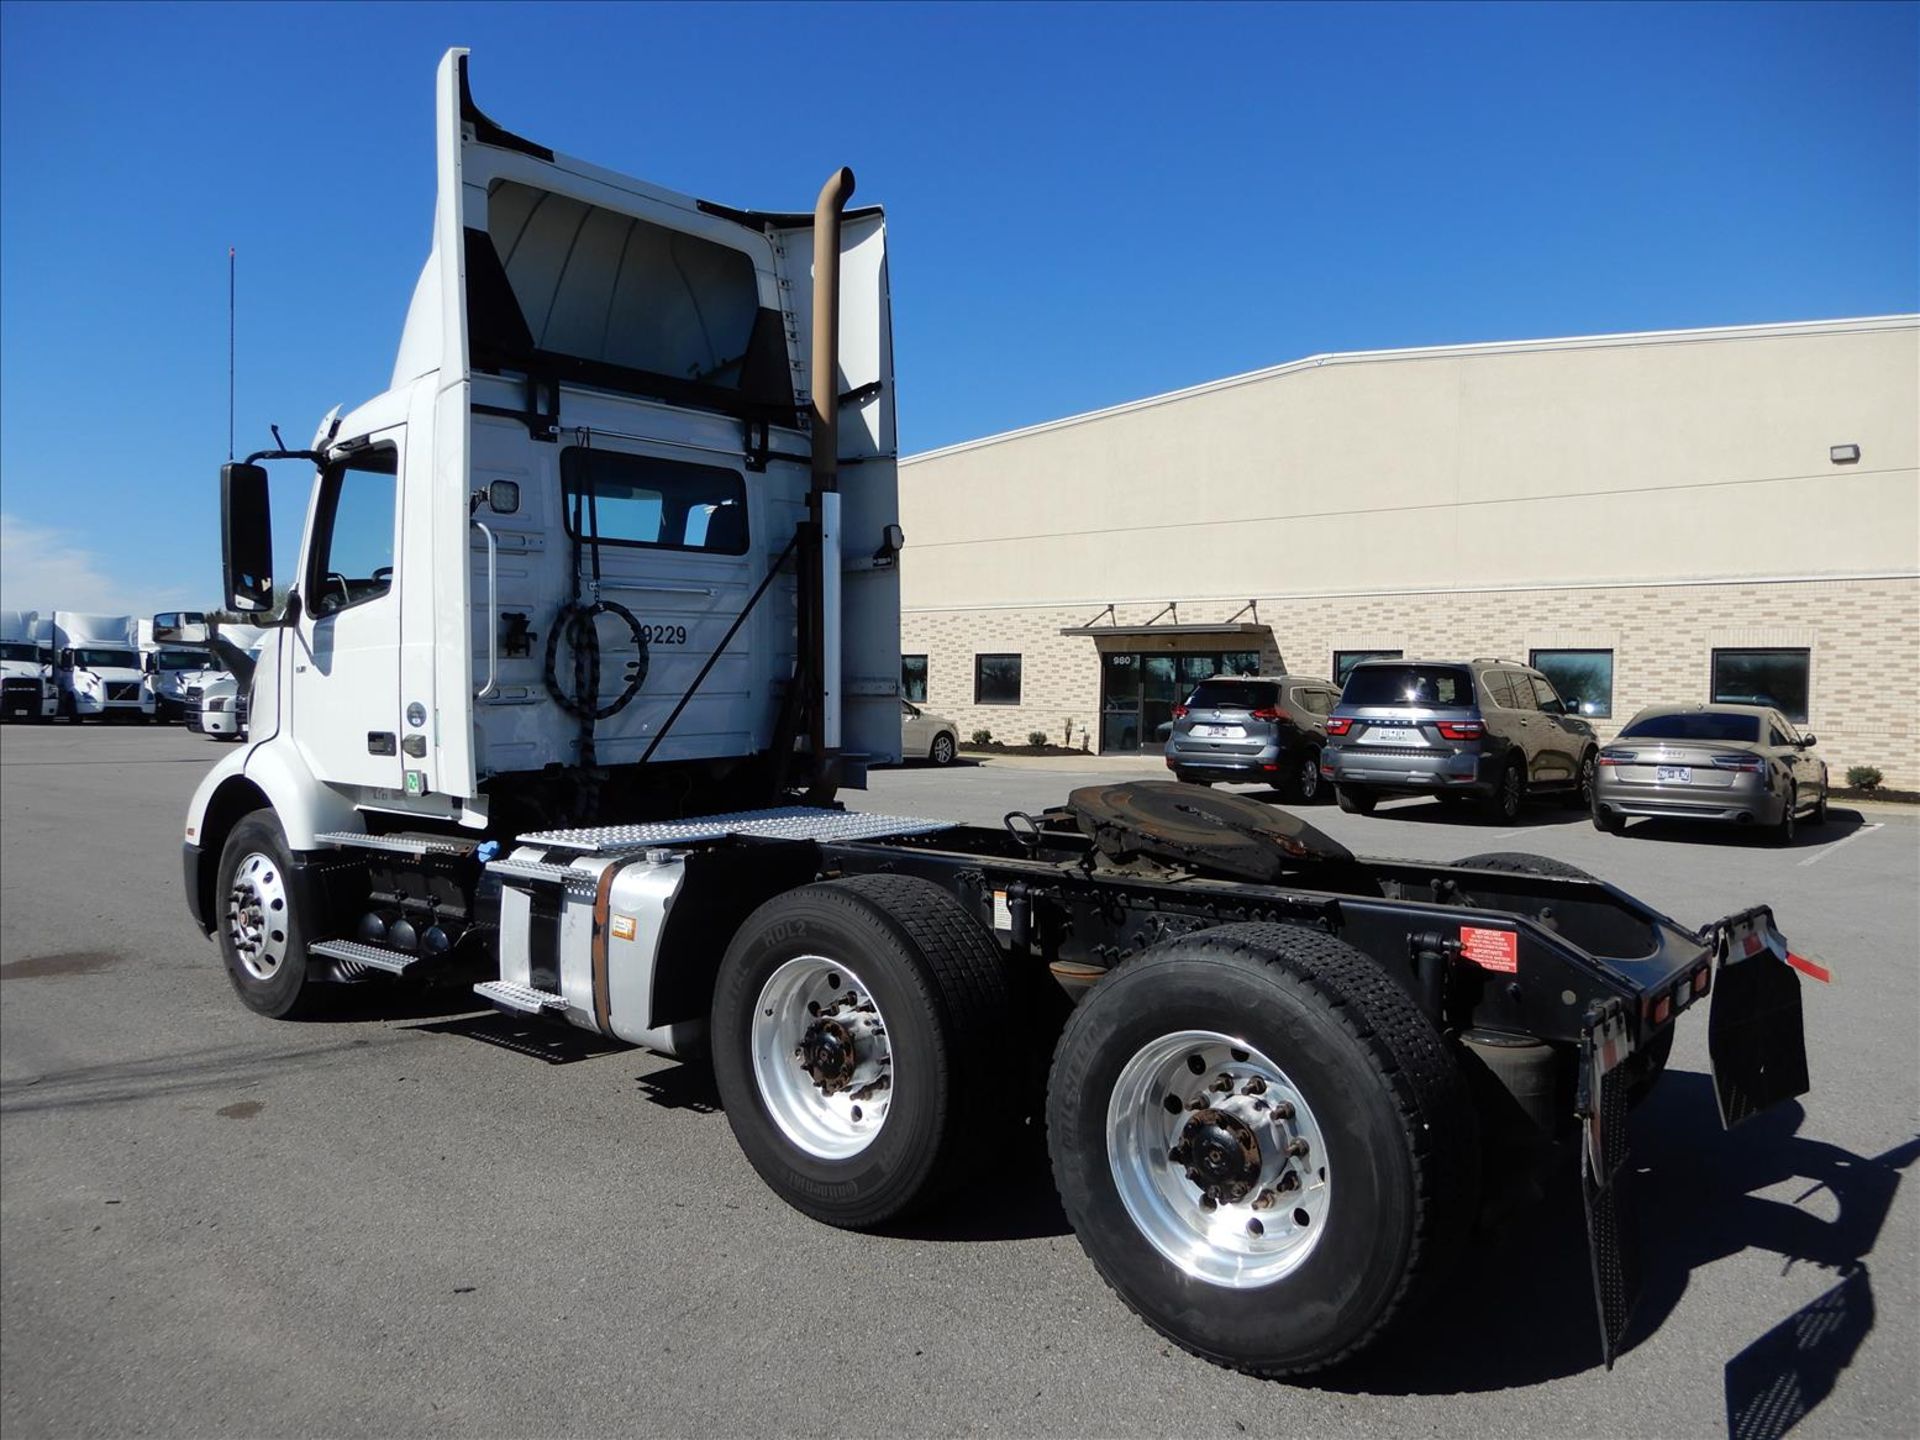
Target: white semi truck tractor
(595, 611)
(174, 646)
(98, 667)
(26, 669)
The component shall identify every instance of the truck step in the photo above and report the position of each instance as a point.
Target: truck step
(540, 872)
(399, 844)
(376, 957)
(787, 822)
(522, 999)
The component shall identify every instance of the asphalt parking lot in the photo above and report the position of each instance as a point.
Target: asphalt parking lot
(392, 1223)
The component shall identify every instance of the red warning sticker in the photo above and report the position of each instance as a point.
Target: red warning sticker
(1491, 949)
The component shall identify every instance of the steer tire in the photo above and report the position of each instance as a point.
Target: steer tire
(1398, 1141)
(942, 989)
(257, 850)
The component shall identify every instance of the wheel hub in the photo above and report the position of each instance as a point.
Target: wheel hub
(1221, 1155)
(821, 1057)
(1218, 1158)
(256, 916)
(828, 1053)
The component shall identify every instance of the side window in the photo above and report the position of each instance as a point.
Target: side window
(1500, 686)
(643, 500)
(353, 534)
(1522, 691)
(1782, 732)
(1545, 697)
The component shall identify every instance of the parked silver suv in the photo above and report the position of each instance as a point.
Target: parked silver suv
(1253, 728)
(1495, 730)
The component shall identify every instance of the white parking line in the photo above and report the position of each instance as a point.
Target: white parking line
(1822, 854)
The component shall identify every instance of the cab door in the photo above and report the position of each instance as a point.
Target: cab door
(345, 671)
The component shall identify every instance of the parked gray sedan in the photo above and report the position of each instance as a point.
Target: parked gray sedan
(1740, 764)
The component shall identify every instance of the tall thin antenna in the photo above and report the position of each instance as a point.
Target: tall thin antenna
(230, 270)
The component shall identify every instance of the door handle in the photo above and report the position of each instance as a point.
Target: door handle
(380, 742)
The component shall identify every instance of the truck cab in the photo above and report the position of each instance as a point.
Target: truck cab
(98, 668)
(26, 671)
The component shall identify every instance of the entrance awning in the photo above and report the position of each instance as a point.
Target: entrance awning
(1150, 632)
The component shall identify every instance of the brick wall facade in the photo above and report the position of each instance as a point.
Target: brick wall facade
(1864, 635)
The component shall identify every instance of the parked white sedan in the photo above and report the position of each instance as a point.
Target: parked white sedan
(924, 733)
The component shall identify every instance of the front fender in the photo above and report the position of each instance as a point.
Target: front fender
(274, 773)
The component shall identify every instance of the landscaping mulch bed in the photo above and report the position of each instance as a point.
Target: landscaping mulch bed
(1898, 797)
(997, 747)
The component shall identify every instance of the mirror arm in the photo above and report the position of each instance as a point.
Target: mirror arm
(318, 457)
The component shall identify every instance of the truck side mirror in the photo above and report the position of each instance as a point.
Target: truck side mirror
(246, 537)
(66, 659)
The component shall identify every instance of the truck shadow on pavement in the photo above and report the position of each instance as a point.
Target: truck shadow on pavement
(1520, 1310)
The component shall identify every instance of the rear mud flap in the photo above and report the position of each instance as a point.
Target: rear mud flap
(1613, 1240)
(1755, 1035)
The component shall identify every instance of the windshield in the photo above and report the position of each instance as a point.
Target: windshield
(1233, 695)
(179, 660)
(106, 659)
(1695, 725)
(1408, 685)
(18, 650)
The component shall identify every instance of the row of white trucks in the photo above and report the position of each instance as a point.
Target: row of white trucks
(84, 667)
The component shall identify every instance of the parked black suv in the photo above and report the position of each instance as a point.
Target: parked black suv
(1493, 729)
(1253, 728)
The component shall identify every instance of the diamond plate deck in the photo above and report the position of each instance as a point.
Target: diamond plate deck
(394, 962)
(542, 873)
(521, 998)
(791, 822)
(399, 844)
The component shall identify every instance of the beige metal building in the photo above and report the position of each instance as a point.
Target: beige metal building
(1664, 517)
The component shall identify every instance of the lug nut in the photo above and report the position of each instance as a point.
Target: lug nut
(1298, 1146)
(1289, 1181)
(1224, 1084)
(1264, 1200)
(1255, 1086)
(1283, 1110)
(1207, 1202)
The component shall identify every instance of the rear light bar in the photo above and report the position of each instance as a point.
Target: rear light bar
(1273, 712)
(1179, 712)
(1752, 764)
(1338, 726)
(1617, 757)
(1461, 729)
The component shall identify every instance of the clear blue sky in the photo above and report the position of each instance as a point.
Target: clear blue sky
(1087, 203)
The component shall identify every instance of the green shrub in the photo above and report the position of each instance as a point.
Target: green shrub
(983, 737)
(1863, 777)
(1036, 737)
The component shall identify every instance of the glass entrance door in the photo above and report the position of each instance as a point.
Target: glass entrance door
(1138, 692)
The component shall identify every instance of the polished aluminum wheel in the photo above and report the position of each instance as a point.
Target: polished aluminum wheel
(821, 1058)
(1218, 1159)
(257, 915)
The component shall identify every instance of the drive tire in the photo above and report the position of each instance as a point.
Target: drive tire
(1389, 1102)
(940, 984)
(943, 750)
(1355, 802)
(1509, 792)
(286, 993)
(1300, 777)
(1518, 862)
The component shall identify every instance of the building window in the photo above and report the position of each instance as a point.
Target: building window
(913, 677)
(1763, 677)
(1345, 660)
(1584, 678)
(996, 679)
